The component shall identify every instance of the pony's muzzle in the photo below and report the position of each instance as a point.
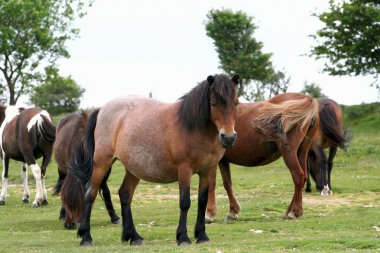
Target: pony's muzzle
(227, 140)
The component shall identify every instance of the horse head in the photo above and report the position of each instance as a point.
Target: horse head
(223, 101)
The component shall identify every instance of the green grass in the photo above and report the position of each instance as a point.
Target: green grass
(339, 223)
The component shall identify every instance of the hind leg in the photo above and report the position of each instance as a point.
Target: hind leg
(97, 176)
(58, 184)
(225, 171)
(24, 176)
(45, 162)
(39, 188)
(295, 158)
(126, 192)
(211, 209)
(4, 188)
(108, 201)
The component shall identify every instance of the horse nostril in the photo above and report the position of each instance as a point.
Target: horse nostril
(222, 135)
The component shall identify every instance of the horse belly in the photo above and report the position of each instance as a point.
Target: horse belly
(149, 163)
(259, 155)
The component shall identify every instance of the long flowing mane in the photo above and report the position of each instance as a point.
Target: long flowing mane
(276, 120)
(194, 111)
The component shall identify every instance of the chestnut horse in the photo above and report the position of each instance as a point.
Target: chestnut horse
(281, 126)
(332, 135)
(70, 134)
(163, 143)
(26, 135)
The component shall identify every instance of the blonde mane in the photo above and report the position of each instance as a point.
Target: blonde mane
(276, 120)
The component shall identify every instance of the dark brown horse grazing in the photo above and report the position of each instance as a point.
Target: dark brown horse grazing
(26, 135)
(332, 135)
(282, 126)
(163, 143)
(69, 136)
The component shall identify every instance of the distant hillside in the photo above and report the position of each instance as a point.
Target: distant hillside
(363, 117)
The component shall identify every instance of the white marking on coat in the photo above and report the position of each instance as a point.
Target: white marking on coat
(37, 119)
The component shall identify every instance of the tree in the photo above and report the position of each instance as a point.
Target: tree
(313, 90)
(33, 36)
(58, 94)
(350, 38)
(239, 52)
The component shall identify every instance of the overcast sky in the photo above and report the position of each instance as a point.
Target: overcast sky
(161, 46)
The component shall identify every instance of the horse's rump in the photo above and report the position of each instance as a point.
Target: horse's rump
(275, 120)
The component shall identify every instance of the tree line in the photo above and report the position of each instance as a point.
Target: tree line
(33, 36)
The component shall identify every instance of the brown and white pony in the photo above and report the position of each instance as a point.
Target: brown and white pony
(159, 142)
(26, 135)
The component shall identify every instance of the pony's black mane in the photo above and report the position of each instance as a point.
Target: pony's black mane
(194, 111)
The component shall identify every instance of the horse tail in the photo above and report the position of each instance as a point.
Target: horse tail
(276, 120)
(46, 127)
(331, 127)
(79, 172)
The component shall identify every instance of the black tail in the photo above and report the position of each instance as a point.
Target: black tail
(331, 128)
(79, 173)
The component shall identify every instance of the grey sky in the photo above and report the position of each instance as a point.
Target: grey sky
(142, 46)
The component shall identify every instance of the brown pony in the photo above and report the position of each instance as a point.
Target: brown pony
(332, 135)
(281, 126)
(26, 135)
(69, 136)
(159, 142)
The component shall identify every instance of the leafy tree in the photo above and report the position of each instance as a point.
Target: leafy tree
(33, 36)
(313, 90)
(58, 94)
(277, 83)
(239, 52)
(350, 38)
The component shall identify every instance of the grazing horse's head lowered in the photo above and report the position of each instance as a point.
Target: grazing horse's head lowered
(216, 107)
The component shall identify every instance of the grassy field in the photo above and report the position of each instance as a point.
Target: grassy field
(346, 221)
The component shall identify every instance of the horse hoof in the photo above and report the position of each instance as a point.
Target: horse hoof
(2, 202)
(209, 220)
(290, 216)
(25, 201)
(36, 204)
(203, 241)
(231, 218)
(184, 243)
(86, 243)
(44, 202)
(70, 226)
(117, 222)
(138, 242)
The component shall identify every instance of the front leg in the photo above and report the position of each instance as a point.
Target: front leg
(184, 204)
(200, 228)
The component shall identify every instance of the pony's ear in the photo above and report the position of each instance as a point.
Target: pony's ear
(236, 78)
(210, 80)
